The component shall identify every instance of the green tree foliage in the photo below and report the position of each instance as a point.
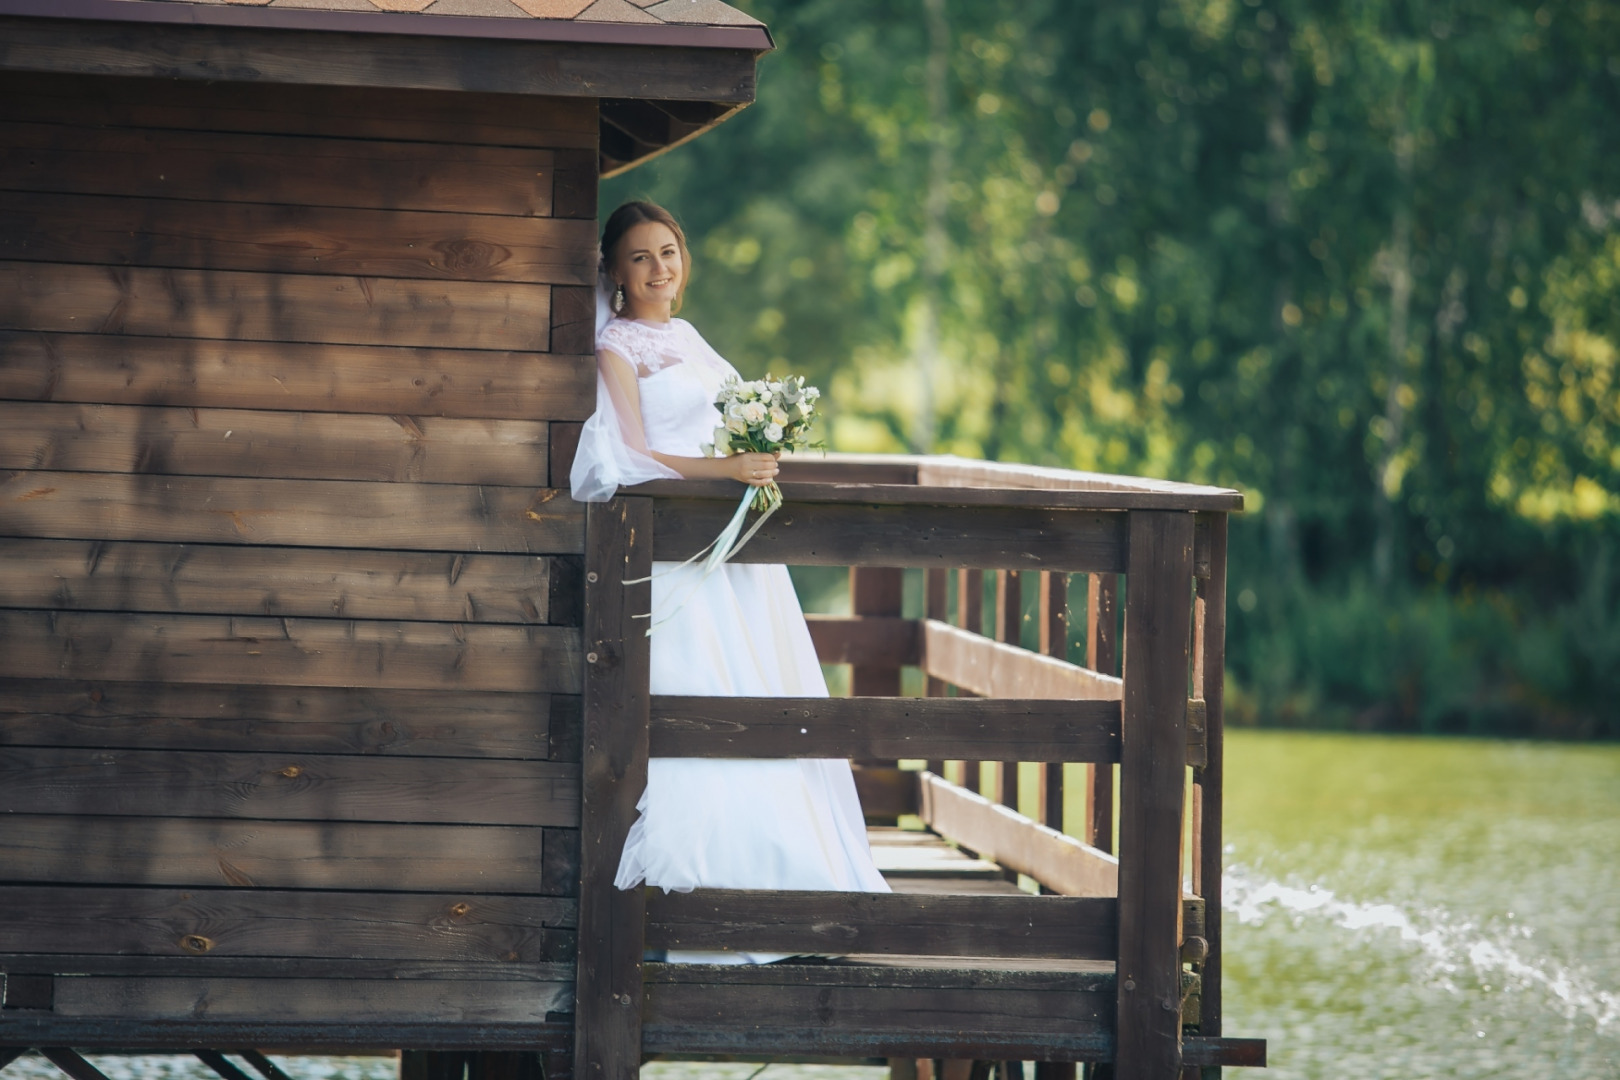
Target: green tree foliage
(1361, 260)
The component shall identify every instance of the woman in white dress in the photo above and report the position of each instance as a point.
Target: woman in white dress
(712, 823)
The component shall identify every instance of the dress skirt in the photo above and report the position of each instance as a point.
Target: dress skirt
(741, 824)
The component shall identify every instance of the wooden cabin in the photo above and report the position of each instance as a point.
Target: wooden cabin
(322, 716)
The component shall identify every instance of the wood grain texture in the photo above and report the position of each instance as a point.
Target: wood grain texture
(286, 445)
(875, 591)
(553, 1038)
(240, 306)
(282, 1000)
(205, 925)
(1081, 928)
(127, 370)
(1102, 655)
(992, 669)
(314, 967)
(884, 641)
(296, 239)
(288, 652)
(864, 533)
(296, 513)
(885, 728)
(217, 579)
(1060, 863)
(1153, 754)
(369, 857)
(1211, 600)
(328, 58)
(612, 922)
(458, 119)
(286, 787)
(221, 166)
(280, 719)
(886, 792)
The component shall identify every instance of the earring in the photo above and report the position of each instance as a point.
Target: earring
(618, 298)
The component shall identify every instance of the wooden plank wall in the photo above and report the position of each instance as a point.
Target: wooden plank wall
(289, 597)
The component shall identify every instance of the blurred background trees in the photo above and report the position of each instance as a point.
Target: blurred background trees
(1361, 260)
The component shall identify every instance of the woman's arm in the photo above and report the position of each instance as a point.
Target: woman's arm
(755, 469)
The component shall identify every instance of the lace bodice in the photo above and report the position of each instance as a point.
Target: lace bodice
(678, 374)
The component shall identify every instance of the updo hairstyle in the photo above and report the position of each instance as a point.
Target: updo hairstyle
(628, 217)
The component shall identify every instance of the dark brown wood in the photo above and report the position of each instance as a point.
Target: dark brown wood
(813, 533)
(991, 669)
(574, 194)
(287, 719)
(70, 1063)
(144, 301)
(1009, 627)
(885, 642)
(297, 513)
(881, 1010)
(875, 494)
(394, 114)
(1211, 600)
(1210, 1051)
(874, 591)
(442, 246)
(240, 442)
(970, 619)
(1131, 492)
(564, 445)
(287, 787)
(1102, 656)
(297, 652)
(25, 991)
(936, 587)
(1080, 928)
(354, 1036)
(848, 469)
(275, 854)
(328, 58)
(970, 600)
(292, 999)
(1053, 619)
(573, 318)
(225, 167)
(207, 924)
(608, 1038)
(190, 372)
(1056, 1070)
(1060, 863)
(222, 1066)
(1152, 777)
(992, 730)
(886, 792)
(560, 941)
(87, 575)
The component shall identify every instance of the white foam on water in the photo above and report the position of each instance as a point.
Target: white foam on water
(1450, 944)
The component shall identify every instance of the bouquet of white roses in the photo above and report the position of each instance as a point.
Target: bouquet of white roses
(765, 416)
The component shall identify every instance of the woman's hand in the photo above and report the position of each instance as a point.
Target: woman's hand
(755, 469)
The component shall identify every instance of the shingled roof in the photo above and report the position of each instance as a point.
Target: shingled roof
(662, 70)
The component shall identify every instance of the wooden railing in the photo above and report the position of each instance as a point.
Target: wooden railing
(1153, 716)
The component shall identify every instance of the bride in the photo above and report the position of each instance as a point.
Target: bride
(709, 823)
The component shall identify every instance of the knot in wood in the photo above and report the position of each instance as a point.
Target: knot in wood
(1130, 984)
(291, 772)
(458, 910)
(196, 943)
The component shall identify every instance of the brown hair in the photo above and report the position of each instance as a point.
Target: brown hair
(628, 217)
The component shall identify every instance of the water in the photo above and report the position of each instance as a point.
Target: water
(1396, 908)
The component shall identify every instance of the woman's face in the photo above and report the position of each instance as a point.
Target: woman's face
(648, 266)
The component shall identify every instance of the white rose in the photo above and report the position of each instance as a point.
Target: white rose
(773, 432)
(779, 418)
(736, 425)
(734, 411)
(753, 412)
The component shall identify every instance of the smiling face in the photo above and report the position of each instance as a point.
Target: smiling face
(647, 263)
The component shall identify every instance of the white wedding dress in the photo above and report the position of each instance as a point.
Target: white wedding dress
(719, 823)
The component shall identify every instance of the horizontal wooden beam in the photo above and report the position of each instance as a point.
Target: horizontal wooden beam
(379, 721)
(886, 728)
(357, 856)
(870, 530)
(289, 652)
(1059, 927)
(1059, 862)
(189, 965)
(208, 579)
(197, 373)
(296, 513)
(258, 443)
(205, 925)
(436, 1033)
(286, 787)
(879, 640)
(995, 669)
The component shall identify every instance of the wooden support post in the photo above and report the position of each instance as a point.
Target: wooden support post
(935, 606)
(1054, 641)
(874, 590)
(1055, 1070)
(221, 1064)
(1212, 661)
(612, 923)
(1153, 755)
(970, 617)
(1009, 628)
(267, 1068)
(71, 1063)
(1102, 655)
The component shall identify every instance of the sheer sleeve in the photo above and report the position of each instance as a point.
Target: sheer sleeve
(613, 445)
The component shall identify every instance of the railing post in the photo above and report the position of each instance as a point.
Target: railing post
(875, 590)
(970, 617)
(936, 593)
(1212, 665)
(612, 923)
(1009, 630)
(1153, 754)
(1102, 655)
(1054, 641)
